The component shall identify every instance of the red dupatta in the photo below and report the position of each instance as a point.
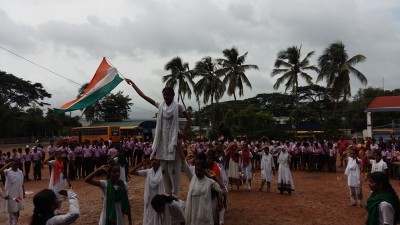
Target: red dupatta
(58, 165)
(246, 157)
(231, 151)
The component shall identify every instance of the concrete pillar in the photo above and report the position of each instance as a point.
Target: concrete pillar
(369, 124)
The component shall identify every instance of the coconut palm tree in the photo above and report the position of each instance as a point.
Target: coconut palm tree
(336, 67)
(292, 67)
(210, 86)
(180, 75)
(233, 70)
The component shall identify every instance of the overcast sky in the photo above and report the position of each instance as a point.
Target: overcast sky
(139, 37)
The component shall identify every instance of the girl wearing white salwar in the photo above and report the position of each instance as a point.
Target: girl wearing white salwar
(152, 186)
(267, 169)
(198, 210)
(115, 197)
(233, 165)
(246, 165)
(354, 179)
(285, 181)
(14, 190)
(166, 137)
(57, 179)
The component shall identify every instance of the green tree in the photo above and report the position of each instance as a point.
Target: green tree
(115, 107)
(209, 85)
(317, 99)
(59, 123)
(180, 76)
(33, 122)
(22, 93)
(336, 67)
(234, 71)
(291, 67)
(110, 108)
(276, 104)
(92, 112)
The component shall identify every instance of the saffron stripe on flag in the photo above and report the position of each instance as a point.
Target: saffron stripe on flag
(104, 81)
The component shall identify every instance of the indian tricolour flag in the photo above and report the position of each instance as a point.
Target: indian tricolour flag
(104, 80)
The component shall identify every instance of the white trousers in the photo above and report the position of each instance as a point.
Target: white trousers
(171, 174)
(13, 218)
(356, 195)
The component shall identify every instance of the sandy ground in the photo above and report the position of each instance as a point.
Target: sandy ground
(320, 198)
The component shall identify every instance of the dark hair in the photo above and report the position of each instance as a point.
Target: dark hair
(110, 168)
(160, 200)
(382, 178)
(42, 202)
(201, 156)
(211, 154)
(377, 152)
(169, 89)
(203, 164)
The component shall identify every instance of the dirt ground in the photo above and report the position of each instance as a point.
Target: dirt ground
(320, 198)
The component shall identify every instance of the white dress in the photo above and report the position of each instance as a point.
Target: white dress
(122, 175)
(247, 171)
(60, 184)
(353, 172)
(152, 186)
(166, 134)
(267, 163)
(285, 180)
(233, 170)
(118, 208)
(198, 209)
(13, 188)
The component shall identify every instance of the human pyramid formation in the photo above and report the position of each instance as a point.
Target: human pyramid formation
(212, 169)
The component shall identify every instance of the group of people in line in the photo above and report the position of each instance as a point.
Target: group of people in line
(211, 168)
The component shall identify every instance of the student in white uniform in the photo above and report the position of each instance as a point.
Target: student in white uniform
(267, 169)
(116, 203)
(383, 205)
(46, 202)
(14, 190)
(152, 186)
(353, 173)
(378, 165)
(166, 137)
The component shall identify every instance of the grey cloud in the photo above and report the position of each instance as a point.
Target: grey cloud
(15, 35)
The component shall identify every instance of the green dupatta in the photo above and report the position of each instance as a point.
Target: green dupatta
(113, 196)
(372, 206)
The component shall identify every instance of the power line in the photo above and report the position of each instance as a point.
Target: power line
(30, 61)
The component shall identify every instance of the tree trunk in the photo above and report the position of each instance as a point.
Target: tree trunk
(183, 103)
(335, 106)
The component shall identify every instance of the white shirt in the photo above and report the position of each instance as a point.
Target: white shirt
(71, 216)
(386, 213)
(381, 166)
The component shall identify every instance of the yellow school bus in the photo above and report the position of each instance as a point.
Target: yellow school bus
(135, 132)
(95, 133)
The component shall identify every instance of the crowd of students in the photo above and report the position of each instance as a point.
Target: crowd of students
(213, 168)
